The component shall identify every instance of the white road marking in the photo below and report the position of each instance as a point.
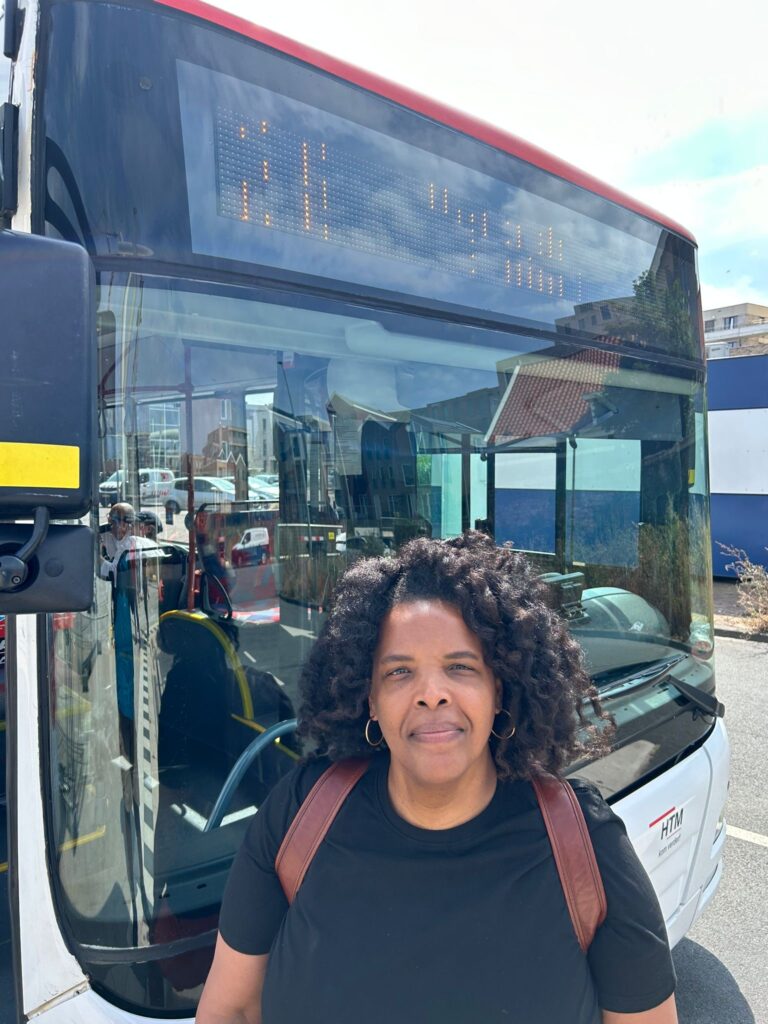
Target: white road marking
(296, 631)
(749, 837)
(199, 822)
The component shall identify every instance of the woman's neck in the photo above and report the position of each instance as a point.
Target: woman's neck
(441, 805)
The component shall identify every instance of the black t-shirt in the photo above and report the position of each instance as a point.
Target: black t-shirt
(396, 924)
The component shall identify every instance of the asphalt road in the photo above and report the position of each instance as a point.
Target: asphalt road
(723, 964)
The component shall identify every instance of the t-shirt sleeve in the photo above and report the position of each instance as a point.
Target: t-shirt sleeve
(629, 958)
(254, 904)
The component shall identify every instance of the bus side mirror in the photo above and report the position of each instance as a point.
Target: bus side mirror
(47, 423)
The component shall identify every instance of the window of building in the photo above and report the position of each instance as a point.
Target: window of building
(709, 325)
(728, 322)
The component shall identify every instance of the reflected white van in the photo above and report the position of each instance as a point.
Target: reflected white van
(154, 486)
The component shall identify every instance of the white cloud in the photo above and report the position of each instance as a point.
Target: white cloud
(719, 211)
(743, 289)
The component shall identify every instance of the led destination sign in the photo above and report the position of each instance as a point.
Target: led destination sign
(276, 178)
(278, 182)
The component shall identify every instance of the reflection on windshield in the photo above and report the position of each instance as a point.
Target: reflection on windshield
(261, 449)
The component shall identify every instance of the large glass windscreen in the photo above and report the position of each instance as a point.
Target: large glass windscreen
(218, 151)
(253, 445)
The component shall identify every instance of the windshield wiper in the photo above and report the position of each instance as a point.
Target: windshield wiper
(706, 702)
(661, 672)
(645, 677)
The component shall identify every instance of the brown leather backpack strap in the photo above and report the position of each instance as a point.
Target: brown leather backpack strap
(574, 856)
(313, 819)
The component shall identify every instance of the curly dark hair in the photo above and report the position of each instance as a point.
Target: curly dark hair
(526, 643)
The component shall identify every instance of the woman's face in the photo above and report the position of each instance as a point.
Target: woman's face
(432, 693)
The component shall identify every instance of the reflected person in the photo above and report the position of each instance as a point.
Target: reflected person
(123, 569)
(122, 564)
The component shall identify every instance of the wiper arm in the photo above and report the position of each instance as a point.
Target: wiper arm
(655, 673)
(661, 671)
(706, 702)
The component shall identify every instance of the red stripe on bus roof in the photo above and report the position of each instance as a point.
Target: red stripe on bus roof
(446, 115)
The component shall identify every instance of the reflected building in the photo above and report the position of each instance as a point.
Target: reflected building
(611, 316)
(259, 424)
(224, 451)
(163, 436)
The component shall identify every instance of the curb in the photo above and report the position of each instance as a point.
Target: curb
(737, 634)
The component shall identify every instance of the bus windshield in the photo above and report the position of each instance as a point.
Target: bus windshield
(378, 429)
(329, 325)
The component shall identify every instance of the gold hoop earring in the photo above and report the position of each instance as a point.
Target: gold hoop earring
(368, 739)
(511, 733)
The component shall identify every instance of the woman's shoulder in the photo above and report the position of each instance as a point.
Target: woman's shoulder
(521, 795)
(593, 804)
(588, 794)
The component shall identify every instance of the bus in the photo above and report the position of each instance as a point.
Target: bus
(402, 322)
(737, 387)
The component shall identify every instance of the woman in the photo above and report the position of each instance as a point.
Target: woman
(435, 896)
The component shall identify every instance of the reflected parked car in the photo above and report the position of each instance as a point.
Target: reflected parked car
(208, 490)
(263, 487)
(252, 548)
(157, 487)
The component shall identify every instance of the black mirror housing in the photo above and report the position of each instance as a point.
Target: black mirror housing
(47, 377)
(47, 423)
(60, 573)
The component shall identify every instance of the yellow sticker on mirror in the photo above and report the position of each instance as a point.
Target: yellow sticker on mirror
(52, 466)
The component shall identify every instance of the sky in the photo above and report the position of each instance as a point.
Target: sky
(665, 100)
